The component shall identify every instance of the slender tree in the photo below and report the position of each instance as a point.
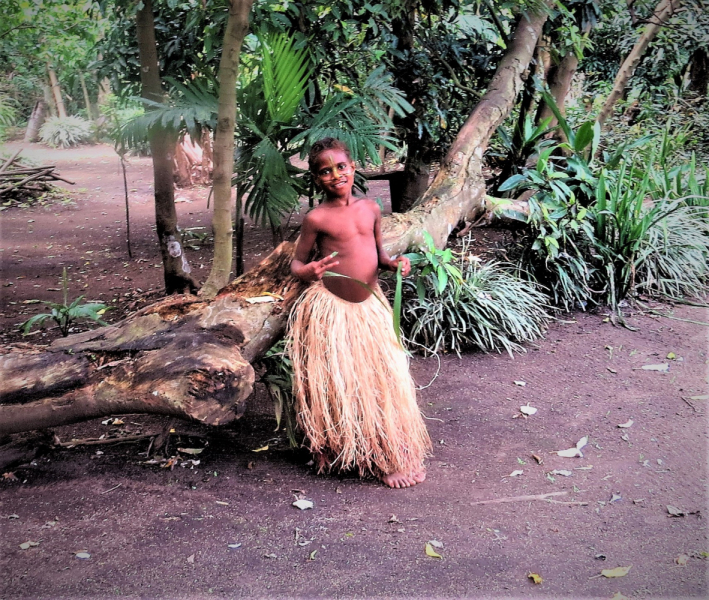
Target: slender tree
(236, 28)
(662, 13)
(162, 145)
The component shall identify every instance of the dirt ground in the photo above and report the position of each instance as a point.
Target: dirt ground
(221, 523)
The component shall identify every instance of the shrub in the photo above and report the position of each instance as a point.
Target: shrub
(65, 132)
(454, 302)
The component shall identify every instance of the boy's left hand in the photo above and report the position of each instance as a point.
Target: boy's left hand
(405, 265)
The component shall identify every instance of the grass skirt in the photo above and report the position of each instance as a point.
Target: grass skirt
(355, 399)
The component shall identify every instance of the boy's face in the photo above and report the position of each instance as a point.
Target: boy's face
(334, 172)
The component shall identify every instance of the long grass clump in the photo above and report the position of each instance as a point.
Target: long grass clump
(481, 305)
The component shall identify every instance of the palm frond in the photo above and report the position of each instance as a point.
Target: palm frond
(192, 107)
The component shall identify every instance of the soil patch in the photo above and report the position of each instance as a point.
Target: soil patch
(221, 523)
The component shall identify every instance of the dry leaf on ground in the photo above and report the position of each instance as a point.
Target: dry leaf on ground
(535, 577)
(303, 504)
(82, 555)
(570, 453)
(662, 368)
(617, 572)
(516, 473)
(528, 410)
(627, 424)
(431, 552)
(26, 545)
(682, 560)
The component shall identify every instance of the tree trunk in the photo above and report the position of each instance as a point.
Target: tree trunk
(190, 357)
(39, 113)
(207, 157)
(49, 99)
(56, 92)
(409, 185)
(559, 86)
(699, 72)
(663, 11)
(182, 174)
(236, 28)
(87, 100)
(162, 145)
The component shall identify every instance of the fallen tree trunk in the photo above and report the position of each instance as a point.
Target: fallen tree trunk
(190, 357)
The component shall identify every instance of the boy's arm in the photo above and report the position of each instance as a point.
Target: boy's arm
(309, 271)
(385, 261)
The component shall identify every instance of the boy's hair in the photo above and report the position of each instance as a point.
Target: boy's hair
(324, 144)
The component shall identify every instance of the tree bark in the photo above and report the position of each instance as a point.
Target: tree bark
(191, 357)
(39, 113)
(56, 92)
(559, 86)
(162, 145)
(236, 28)
(699, 72)
(410, 184)
(663, 11)
(87, 100)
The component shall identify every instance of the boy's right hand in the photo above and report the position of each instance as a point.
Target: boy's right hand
(316, 269)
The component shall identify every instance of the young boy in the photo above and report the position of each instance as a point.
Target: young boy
(355, 398)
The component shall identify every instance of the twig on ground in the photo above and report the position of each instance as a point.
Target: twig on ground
(99, 442)
(111, 489)
(518, 498)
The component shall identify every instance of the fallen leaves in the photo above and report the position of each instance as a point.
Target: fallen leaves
(303, 504)
(82, 555)
(528, 410)
(431, 552)
(574, 452)
(627, 424)
(682, 560)
(617, 572)
(27, 545)
(10, 476)
(261, 449)
(661, 368)
(193, 451)
(535, 577)
(516, 473)
(521, 383)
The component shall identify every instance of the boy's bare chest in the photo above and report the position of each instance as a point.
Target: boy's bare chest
(348, 223)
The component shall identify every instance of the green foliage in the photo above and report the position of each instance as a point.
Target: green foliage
(8, 114)
(455, 303)
(275, 124)
(558, 251)
(658, 247)
(65, 132)
(638, 224)
(66, 313)
(278, 379)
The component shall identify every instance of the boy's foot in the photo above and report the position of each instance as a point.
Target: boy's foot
(402, 480)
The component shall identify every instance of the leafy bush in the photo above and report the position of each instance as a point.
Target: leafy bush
(454, 303)
(65, 132)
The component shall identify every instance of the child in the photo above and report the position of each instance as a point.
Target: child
(355, 398)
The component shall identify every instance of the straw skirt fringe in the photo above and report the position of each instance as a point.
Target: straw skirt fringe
(355, 398)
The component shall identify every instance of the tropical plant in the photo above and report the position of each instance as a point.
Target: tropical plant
(656, 246)
(456, 302)
(278, 379)
(66, 313)
(65, 132)
(8, 113)
(558, 250)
